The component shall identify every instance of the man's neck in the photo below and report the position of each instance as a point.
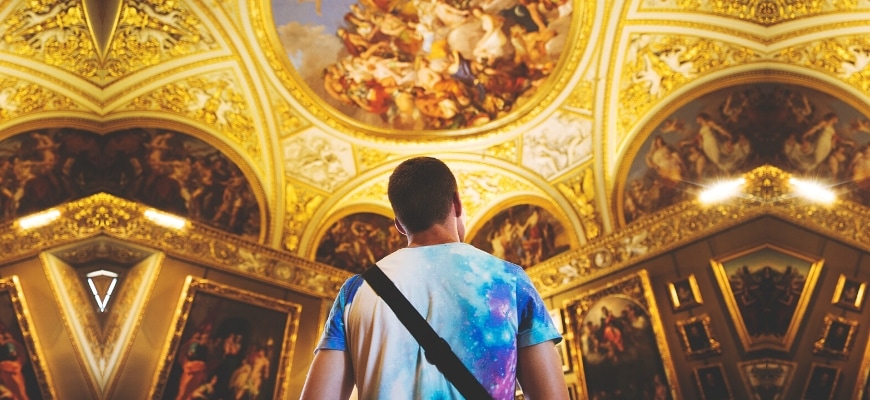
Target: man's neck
(437, 234)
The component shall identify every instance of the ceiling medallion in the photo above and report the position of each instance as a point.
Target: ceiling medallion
(383, 68)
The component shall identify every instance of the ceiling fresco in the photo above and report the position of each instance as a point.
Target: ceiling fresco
(422, 64)
(733, 130)
(523, 234)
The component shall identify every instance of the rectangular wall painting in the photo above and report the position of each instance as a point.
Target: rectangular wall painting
(767, 290)
(227, 344)
(620, 341)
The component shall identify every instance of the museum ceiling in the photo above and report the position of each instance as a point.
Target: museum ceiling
(279, 122)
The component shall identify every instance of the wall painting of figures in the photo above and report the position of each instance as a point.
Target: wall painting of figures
(736, 129)
(423, 64)
(22, 364)
(359, 240)
(227, 344)
(167, 170)
(523, 234)
(767, 290)
(621, 342)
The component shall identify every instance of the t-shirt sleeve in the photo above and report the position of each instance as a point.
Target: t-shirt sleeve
(333, 337)
(535, 324)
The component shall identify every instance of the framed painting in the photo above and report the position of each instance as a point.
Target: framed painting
(837, 336)
(685, 293)
(849, 293)
(821, 383)
(862, 384)
(712, 383)
(767, 378)
(767, 290)
(227, 343)
(22, 363)
(617, 333)
(697, 337)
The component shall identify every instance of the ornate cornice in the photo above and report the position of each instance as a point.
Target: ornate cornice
(104, 214)
(767, 192)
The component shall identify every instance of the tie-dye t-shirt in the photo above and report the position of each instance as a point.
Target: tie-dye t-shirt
(484, 307)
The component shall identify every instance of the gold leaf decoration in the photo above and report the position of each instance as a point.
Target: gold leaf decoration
(19, 98)
(846, 58)
(301, 205)
(212, 99)
(657, 65)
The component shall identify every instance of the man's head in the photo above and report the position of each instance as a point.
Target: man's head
(421, 191)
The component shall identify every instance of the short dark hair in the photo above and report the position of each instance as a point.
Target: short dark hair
(421, 191)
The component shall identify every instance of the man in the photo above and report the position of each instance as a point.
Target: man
(484, 307)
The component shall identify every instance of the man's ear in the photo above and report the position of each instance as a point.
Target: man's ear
(457, 205)
(399, 227)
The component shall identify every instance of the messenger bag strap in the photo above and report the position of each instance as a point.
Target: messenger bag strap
(437, 350)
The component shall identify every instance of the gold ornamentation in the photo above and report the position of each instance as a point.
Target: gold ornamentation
(103, 336)
(212, 99)
(107, 215)
(479, 188)
(53, 32)
(151, 32)
(763, 12)
(19, 98)
(505, 151)
(581, 98)
(580, 191)
(767, 192)
(289, 120)
(846, 58)
(301, 205)
(369, 158)
(657, 65)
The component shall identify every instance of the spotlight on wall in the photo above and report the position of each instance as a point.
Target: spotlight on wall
(721, 191)
(39, 219)
(812, 191)
(165, 220)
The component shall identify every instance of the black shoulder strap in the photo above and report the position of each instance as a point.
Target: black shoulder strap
(438, 351)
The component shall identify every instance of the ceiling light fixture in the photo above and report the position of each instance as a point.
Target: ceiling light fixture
(165, 220)
(812, 191)
(721, 191)
(39, 219)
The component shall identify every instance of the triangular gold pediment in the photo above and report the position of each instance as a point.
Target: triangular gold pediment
(100, 333)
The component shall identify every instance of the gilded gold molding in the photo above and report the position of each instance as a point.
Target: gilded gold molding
(658, 65)
(104, 214)
(215, 100)
(580, 192)
(845, 58)
(767, 192)
(19, 98)
(762, 12)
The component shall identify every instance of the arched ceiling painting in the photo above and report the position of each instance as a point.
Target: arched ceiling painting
(732, 130)
(357, 241)
(423, 65)
(164, 169)
(523, 234)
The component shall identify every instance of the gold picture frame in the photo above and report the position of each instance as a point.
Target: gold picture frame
(837, 336)
(862, 384)
(21, 342)
(821, 382)
(609, 360)
(767, 290)
(242, 329)
(849, 293)
(712, 383)
(767, 375)
(685, 293)
(697, 336)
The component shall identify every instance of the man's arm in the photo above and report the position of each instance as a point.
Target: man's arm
(330, 376)
(539, 371)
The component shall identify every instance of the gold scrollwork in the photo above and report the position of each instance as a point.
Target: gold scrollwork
(657, 65)
(846, 58)
(212, 99)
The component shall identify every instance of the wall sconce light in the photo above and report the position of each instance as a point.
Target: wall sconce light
(812, 191)
(721, 191)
